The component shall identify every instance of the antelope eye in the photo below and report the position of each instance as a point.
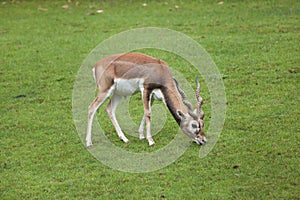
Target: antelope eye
(194, 126)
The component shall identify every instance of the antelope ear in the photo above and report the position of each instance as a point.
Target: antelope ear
(181, 114)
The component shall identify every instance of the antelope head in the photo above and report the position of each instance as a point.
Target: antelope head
(192, 123)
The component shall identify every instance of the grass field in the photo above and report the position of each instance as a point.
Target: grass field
(255, 46)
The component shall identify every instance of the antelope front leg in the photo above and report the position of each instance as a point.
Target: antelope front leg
(141, 129)
(147, 114)
(149, 136)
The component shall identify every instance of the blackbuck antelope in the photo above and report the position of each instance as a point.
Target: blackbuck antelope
(122, 75)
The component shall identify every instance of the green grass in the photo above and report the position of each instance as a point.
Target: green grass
(255, 46)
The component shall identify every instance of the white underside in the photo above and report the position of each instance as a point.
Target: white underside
(127, 87)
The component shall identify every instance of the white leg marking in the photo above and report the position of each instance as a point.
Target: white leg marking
(147, 114)
(149, 136)
(141, 129)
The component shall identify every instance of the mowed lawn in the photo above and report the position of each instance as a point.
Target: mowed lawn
(256, 48)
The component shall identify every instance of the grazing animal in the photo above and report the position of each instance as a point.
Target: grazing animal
(122, 75)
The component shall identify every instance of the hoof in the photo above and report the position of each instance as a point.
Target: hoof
(124, 139)
(151, 142)
(142, 137)
(89, 144)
